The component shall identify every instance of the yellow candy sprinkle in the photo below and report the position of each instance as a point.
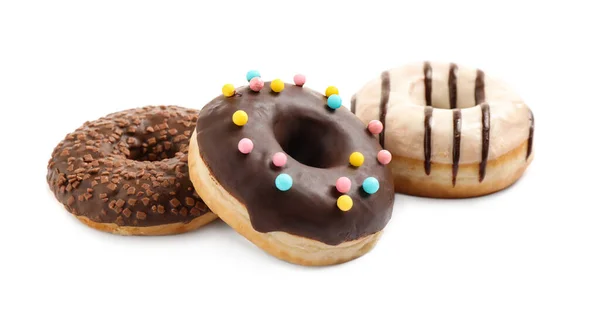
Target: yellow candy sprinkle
(357, 159)
(331, 90)
(277, 85)
(228, 90)
(344, 203)
(240, 118)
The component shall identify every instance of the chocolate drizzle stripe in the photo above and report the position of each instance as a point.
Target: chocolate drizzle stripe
(530, 140)
(485, 139)
(456, 118)
(385, 97)
(353, 104)
(427, 139)
(427, 81)
(479, 87)
(452, 89)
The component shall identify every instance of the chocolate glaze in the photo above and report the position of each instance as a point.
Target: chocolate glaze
(385, 98)
(479, 87)
(427, 81)
(318, 142)
(485, 139)
(485, 122)
(457, 121)
(128, 168)
(452, 88)
(530, 139)
(353, 104)
(427, 139)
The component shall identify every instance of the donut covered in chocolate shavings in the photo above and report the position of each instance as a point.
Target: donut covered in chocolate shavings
(127, 173)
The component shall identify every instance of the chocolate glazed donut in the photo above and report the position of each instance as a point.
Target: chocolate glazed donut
(301, 224)
(126, 173)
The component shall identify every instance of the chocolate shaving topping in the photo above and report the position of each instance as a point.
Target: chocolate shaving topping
(195, 212)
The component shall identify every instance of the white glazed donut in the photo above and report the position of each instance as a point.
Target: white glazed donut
(452, 130)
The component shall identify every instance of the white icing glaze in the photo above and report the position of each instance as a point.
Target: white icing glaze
(404, 121)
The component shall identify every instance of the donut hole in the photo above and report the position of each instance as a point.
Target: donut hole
(312, 142)
(441, 95)
(464, 90)
(152, 149)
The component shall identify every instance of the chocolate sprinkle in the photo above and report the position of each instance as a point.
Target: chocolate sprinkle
(109, 169)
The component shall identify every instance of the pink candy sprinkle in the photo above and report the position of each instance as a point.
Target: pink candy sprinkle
(343, 185)
(256, 84)
(299, 79)
(279, 159)
(375, 127)
(384, 157)
(245, 146)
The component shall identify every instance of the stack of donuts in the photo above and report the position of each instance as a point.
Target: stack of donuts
(292, 169)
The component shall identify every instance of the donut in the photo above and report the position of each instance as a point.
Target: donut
(453, 131)
(126, 173)
(292, 170)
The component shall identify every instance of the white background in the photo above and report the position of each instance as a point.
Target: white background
(533, 246)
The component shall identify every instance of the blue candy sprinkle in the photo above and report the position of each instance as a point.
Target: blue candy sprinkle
(370, 185)
(252, 74)
(334, 101)
(283, 182)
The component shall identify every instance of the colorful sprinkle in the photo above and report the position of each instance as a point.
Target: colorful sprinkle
(277, 85)
(384, 157)
(256, 84)
(299, 79)
(370, 185)
(344, 203)
(283, 182)
(357, 159)
(334, 101)
(279, 159)
(228, 90)
(252, 74)
(331, 90)
(245, 146)
(240, 118)
(375, 127)
(343, 185)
